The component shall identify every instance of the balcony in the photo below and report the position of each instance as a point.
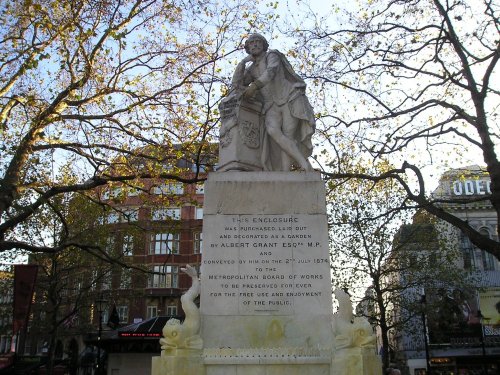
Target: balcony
(163, 292)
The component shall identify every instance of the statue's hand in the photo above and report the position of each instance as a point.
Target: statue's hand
(248, 58)
(250, 91)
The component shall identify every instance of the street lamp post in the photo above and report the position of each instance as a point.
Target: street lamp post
(100, 304)
(426, 344)
(483, 346)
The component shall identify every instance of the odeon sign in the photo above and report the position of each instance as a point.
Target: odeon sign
(472, 187)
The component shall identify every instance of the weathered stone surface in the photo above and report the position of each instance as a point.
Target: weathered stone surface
(265, 269)
(266, 302)
(240, 145)
(179, 362)
(268, 193)
(356, 361)
(267, 77)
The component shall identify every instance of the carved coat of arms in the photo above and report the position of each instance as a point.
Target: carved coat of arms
(250, 134)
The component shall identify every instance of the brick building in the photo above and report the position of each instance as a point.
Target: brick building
(143, 231)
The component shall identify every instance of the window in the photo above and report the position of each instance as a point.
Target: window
(133, 192)
(41, 346)
(169, 188)
(94, 279)
(201, 168)
(78, 283)
(125, 278)
(166, 213)
(152, 312)
(197, 242)
(104, 316)
(164, 276)
(200, 188)
(115, 192)
(113, 217)
(27, 347)
(106, 281)
(488, 261)
(467, 253)
(171, 310)
(122, 313)
(129, 215)
(128, 245)
(164, 243)
(109, 246)
(199, 213)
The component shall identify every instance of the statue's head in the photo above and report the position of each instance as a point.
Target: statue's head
(172, 329)
(256, 36)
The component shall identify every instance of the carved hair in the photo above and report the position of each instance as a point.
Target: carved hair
(258, 37)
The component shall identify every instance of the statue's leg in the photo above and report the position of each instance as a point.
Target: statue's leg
(288, 128)
(290, 125)
(277, 120)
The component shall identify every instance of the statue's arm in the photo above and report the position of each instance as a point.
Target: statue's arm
(241, 78)
(273, 63)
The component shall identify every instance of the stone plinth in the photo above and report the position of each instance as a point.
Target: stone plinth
(356, 361)
(265, 269)
(179, 362)
(240, 146)
(266, 300)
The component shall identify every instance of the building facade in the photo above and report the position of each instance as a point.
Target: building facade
(6, 314)
(142, 234)
(458, 332)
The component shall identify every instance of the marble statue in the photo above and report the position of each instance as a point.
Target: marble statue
(185, 335)
(350, 331)
(288, 116)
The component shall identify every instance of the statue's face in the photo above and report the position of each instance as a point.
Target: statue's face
(171, 332)
(255, 47)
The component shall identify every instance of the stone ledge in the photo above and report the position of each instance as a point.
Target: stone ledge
(268, 356)
(247, 193)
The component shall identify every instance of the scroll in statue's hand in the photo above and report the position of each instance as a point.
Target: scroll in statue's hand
(250, 91)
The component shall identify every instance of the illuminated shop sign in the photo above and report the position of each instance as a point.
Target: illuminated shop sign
(138, 334)
(489, 302)
(472, 187)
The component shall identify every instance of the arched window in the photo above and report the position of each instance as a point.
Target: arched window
(468, 253)
(488, 260)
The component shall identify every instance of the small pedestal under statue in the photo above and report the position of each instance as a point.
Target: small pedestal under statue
(240, 136)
